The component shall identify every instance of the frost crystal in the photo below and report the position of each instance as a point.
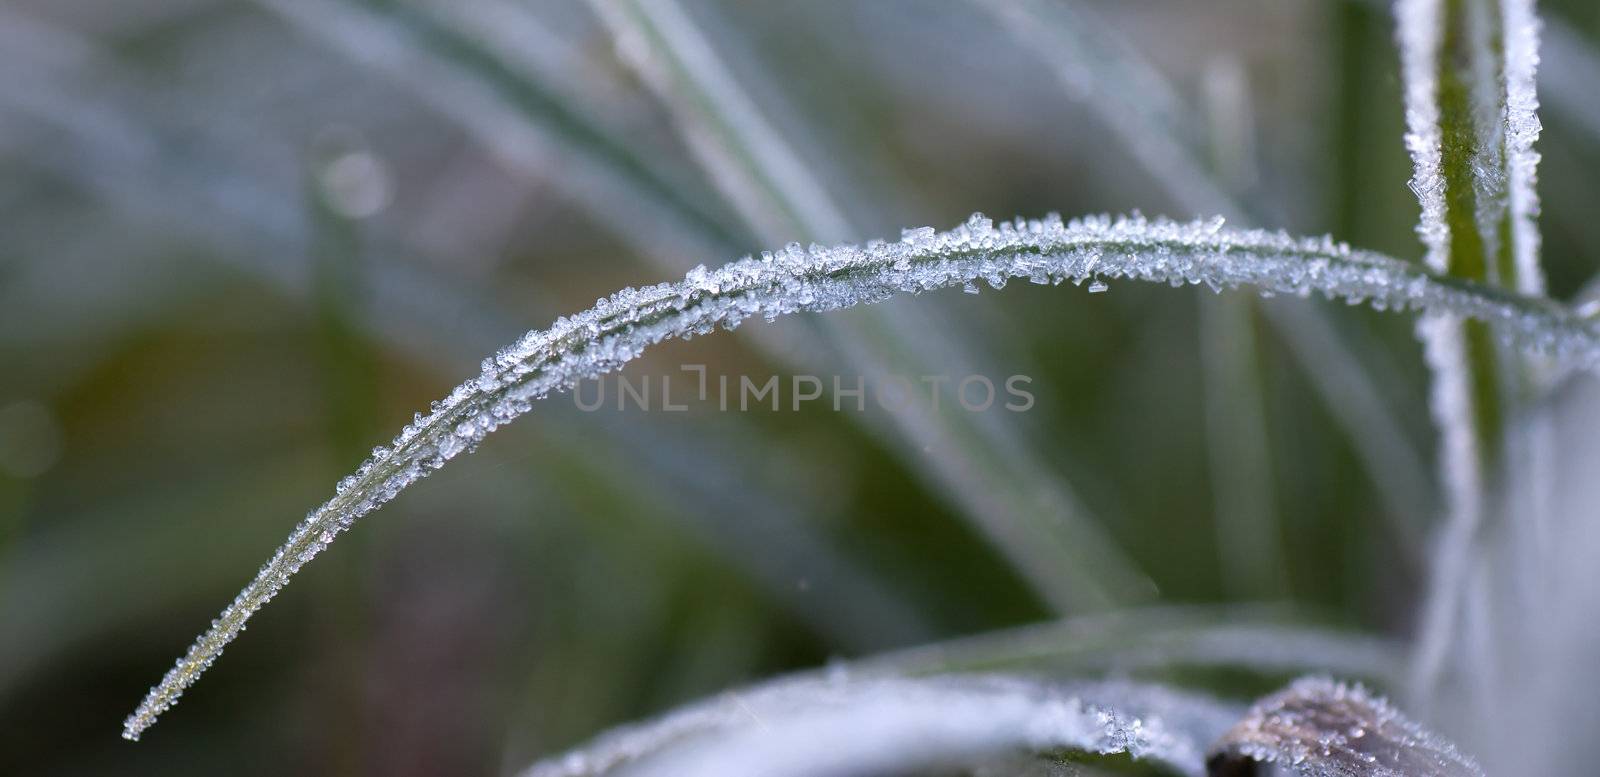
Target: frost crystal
(820, 278)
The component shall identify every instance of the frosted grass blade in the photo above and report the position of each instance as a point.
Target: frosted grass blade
(883, 724)
(1048, 251)
(1471, 115)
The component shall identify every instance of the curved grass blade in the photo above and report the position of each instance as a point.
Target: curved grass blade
(1319, 728)
(843, 725)
(604, 338)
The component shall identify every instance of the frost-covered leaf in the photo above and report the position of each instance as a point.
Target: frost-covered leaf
(840, 725)
(1048, 251)
(1322, 728)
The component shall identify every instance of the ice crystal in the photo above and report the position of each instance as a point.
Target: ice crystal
(820, 278)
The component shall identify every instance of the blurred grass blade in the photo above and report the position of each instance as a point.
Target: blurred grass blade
(1320, 728)
(1572, 68)
(122, 155)
(1028, 512)
(752, 165)
(606, 337)
(1249, 534)
(1261, 640)
(530, 128)
(1143, 112)
(842, 725)
(254, 229)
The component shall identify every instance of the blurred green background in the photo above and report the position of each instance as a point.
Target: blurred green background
(242, 245)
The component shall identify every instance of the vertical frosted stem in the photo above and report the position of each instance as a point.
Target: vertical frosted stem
(1470, 111)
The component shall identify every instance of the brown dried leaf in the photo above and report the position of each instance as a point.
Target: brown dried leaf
(1320, 728)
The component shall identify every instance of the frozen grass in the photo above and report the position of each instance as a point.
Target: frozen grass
(1047, 251)
(1469, 73)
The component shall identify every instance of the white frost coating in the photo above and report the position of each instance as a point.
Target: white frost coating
(795, 279)
(840, 725)
(1419, 25)
(1522, 127)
